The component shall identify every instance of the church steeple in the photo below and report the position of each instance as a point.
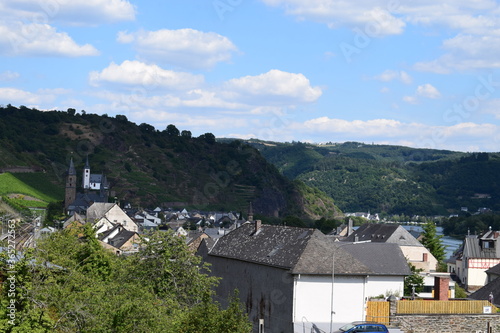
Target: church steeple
(86, 175)
(70, 191)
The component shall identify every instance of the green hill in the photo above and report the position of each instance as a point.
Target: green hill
(148, 166)
(391, 179)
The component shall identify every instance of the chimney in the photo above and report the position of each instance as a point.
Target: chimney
(250, 212)
(441, 286)
(258, 224)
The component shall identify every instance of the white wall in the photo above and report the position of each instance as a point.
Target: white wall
(117, 215)
(415, 254)
(313, 296)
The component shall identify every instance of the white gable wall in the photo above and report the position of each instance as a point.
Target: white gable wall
(313, 296)
(117, 215)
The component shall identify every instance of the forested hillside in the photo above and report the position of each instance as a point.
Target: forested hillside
(148, 166)
(391, 179)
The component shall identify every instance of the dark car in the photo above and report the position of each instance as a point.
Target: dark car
(363, 326)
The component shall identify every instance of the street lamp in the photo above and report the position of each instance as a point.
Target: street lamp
(333, 276)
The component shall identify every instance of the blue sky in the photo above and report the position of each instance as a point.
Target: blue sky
(414, 73)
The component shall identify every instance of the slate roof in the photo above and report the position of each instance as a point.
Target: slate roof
(473, 250)
(121, 238)
(495, 270)
(309, 251)
(483, 293)
(278, 246)
(384, 233)
(71, 170)
(98, 210)
(351, 258)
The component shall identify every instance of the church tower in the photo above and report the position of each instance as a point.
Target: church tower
(70, 192)
(86, 175)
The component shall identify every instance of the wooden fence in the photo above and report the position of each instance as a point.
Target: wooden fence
(445, 307)
(377, 311)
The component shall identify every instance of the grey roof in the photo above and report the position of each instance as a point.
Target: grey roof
(472, 249)
(98, 209)
(309, 251)
(272, 245)
(121, 238)
(495, 270)
(490, 235)
(96, 178)
(71, 170)
(323, 254)
(384, 233)
(484, 292)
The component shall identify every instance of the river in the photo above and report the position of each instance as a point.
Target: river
(450, 243)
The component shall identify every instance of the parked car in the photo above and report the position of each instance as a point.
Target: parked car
(363, 326)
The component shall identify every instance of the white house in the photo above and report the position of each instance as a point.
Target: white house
(476, 255)
(413, 250)
(105, 216)
(290, 278)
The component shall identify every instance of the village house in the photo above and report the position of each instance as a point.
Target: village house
(120, 240)
(491, 291)
(290, 278)
(413, 250)
(105, 216)
(476, 255)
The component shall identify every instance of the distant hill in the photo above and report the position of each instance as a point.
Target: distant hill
(391, 179)
(149, 167)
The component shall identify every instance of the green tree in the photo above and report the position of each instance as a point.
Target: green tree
(432, 241)
(70, 283)
(413, 280)
(171, 130)
(186, 134)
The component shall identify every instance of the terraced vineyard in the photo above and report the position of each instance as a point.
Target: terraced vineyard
(23, 191)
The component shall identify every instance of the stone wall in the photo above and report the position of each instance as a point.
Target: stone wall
(447, 323)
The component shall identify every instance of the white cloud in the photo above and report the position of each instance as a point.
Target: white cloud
(71, 12)
(141, 75)
(463, 136)
(17, 39)
(428, 91)
(372, 15)
(23, 97)
(390, 75)
(476, 25)
(9, 76)
(275, 86)
(465, 52)
(186, 48)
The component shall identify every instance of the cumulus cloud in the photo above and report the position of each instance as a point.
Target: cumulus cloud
(374, 15)
(426, 90)
(23, 97)
(71, 12)
(139, 74)
(275, 86)
(186, 48)
(18, 39)
(429, 91)
(465, 52)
